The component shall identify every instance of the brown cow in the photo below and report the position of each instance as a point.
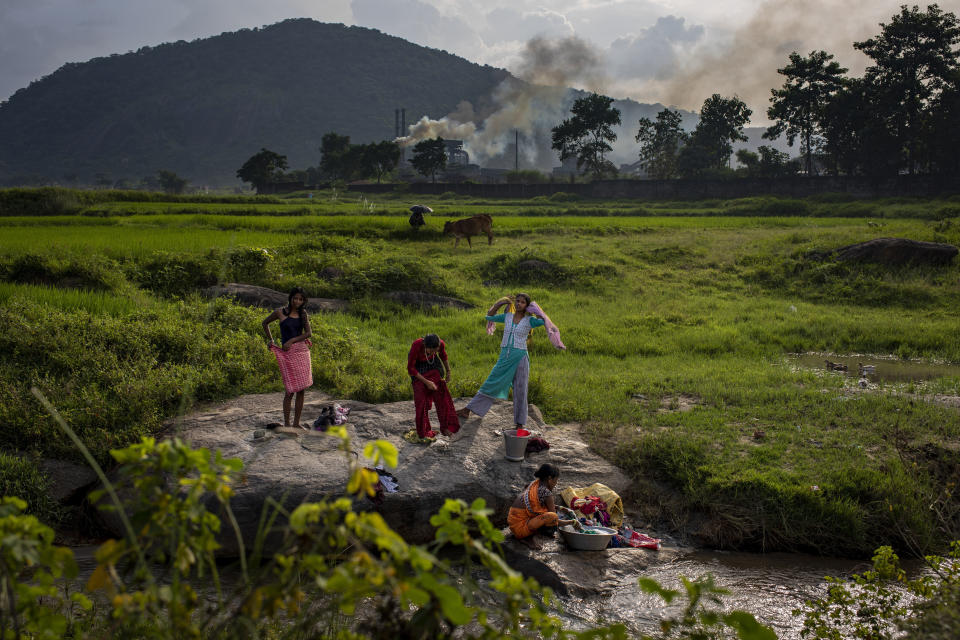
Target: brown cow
(467, 227)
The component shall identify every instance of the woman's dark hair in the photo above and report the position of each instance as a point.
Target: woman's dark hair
(431, 341)
(525, 296)
(547, 470)
(302, 309)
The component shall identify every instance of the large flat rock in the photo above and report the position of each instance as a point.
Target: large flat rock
(296, 467)
(898, 251)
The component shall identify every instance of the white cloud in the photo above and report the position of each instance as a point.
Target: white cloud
(655, 51)
(419, 22)
(508, 24)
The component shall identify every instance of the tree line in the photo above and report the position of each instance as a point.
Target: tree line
(898, 118)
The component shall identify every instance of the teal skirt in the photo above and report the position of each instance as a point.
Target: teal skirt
(498, 383)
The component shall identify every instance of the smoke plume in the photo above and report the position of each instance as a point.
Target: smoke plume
(535, 100)
(748, 66)
(457, 126)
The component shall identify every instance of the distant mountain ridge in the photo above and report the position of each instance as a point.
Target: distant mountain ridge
(202, 108)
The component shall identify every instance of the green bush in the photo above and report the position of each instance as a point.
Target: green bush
(115, 378)
(20, 476)
(248, 264)
(90, 271)
(530, 268)
(178, 275)
(563, 196)
(30, 268)
(375, 275)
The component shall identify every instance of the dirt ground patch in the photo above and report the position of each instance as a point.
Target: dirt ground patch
(679, 403)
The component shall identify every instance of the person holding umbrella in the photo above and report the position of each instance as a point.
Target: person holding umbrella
(416, 215)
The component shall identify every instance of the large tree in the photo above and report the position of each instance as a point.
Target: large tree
(721, 124)
(588, 134)
(914, 60)
(710, 145)
(943, 132)
(767, 162)
(856, 138)
(170, 182)
(660, 144)
(339, 160)
(263, 168)
(380, 158)
(797, 107)
(430, 156)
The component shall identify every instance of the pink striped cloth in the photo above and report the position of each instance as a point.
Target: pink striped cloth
(552, 331)
(295, 366)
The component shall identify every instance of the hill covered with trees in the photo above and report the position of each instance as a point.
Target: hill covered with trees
(201, 108)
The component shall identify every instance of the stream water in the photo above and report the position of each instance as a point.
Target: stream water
(879, 368)
(770, 586)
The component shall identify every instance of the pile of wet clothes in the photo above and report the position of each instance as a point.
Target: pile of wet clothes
(594, 508)
(387, 483)
(331, 414)
(627, 537)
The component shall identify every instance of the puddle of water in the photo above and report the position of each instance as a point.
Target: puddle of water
(883, 369)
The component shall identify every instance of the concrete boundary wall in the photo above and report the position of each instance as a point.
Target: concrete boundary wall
(796, 187)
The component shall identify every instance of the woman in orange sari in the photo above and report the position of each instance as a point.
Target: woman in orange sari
(535, 507)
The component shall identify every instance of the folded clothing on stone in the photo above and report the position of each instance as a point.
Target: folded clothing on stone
(536, 445)
(331, 414)
(613, 503)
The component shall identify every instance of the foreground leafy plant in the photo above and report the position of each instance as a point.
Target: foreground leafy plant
(33, 608)
(882, 603)
(330, 563)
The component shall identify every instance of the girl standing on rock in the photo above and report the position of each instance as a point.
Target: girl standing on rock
(293, 354)
(430, 373)
(513, 365)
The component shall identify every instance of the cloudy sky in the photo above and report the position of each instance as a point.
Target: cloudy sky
(671, 51)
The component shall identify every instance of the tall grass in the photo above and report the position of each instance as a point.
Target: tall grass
(93, 302)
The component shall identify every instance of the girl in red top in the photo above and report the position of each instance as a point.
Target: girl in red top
(430, 372)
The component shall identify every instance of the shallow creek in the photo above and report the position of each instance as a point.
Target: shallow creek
(770, 586)
(877, 369)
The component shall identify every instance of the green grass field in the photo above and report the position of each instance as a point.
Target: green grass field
(690, 310)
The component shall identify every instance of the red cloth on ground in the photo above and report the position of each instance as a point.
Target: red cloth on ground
(423, 399)
(418, 352)
(294, 366)
(588, 505)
